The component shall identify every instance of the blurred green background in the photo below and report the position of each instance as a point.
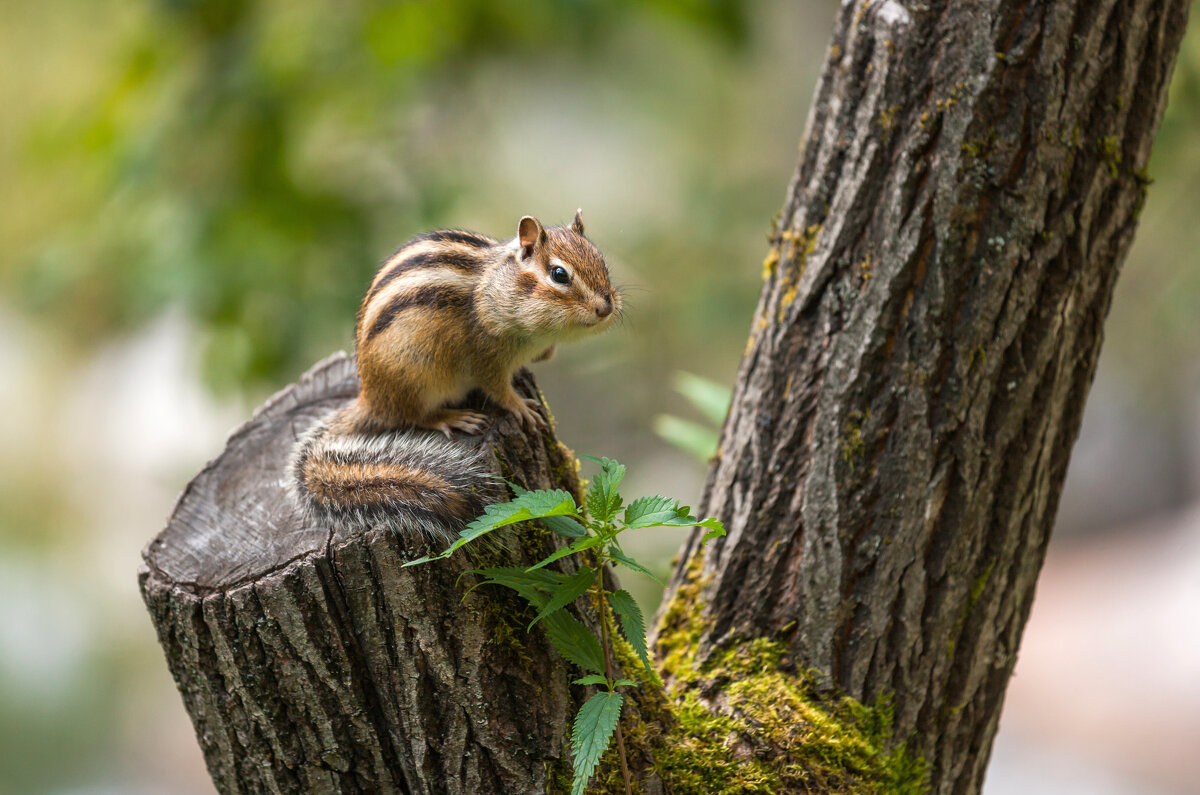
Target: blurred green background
(194, 193)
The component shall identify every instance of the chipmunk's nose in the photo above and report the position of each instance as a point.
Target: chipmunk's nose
(605, 309)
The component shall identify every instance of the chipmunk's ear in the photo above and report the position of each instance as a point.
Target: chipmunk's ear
(577, 224)
(531, 234)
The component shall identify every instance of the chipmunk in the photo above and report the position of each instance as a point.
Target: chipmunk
(449, 312)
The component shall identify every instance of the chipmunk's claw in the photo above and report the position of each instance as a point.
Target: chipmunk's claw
(471, 422)
(526, 410)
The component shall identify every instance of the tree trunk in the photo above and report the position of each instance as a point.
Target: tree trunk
(923, 346)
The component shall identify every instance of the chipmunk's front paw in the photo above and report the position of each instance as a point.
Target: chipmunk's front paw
(471, 422)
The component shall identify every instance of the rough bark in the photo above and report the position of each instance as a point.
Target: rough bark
(923, 345)
(311, 662)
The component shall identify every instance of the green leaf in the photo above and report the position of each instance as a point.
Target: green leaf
(708, 397)
(628, 562)
(663, 512)
(530, 505)
(570, 638)
(570, 590)
(587, 542)
(518, 578)
(576, 643)
(591, 735)
(591, 679)
(715, 529)
(603, 496)
(651, 511)
(534, 587)
(556, 502)
(564, 526)
(624, 683)
(633, 625)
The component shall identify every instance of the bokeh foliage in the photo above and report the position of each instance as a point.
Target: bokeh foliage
(251, 162)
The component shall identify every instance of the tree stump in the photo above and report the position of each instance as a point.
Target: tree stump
(310, 661)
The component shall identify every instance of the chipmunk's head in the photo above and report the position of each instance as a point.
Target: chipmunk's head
(562, 285)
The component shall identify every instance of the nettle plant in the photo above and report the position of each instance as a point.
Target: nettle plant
(594, 531)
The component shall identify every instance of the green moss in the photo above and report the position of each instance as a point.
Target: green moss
(977, 589)
(865, 268)
(972, 149)
(852, 443)
(969, 606)
(801, 246)
(698, 759)
(887, 119)
(1110, 152)
(978, 357)
(774, 731)
(770, 263)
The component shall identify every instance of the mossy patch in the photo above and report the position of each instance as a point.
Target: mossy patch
(1110, 152)
(865, 269)
(852, 443)
(770, 262)
(800, 246)
(887, 120)
(746, 720)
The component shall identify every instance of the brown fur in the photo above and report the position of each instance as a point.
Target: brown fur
(450, 311)
(424, 339)
(361, 484)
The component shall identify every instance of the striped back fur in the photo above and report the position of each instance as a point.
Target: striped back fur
(410, 480)
(438, 270)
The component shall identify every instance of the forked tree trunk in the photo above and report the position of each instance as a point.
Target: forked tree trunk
(889, 471)
(924, 344)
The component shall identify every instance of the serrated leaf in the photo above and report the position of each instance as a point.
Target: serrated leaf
(591, 679)
(651, 511)
(591, 734)
(624, 683)
(530, 505)
(516, 578)
(582, 544)
(628, 562)
(576, 643)
(534, 587)
(603, 495)
(633, 625)
(566, 593)
(679, 517)
(564, 526)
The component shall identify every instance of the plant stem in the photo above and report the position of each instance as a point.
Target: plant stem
(608, 671)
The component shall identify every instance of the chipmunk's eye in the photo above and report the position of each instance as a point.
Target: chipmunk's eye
(560, 275)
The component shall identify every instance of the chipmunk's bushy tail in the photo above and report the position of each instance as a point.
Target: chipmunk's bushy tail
(413, 480)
